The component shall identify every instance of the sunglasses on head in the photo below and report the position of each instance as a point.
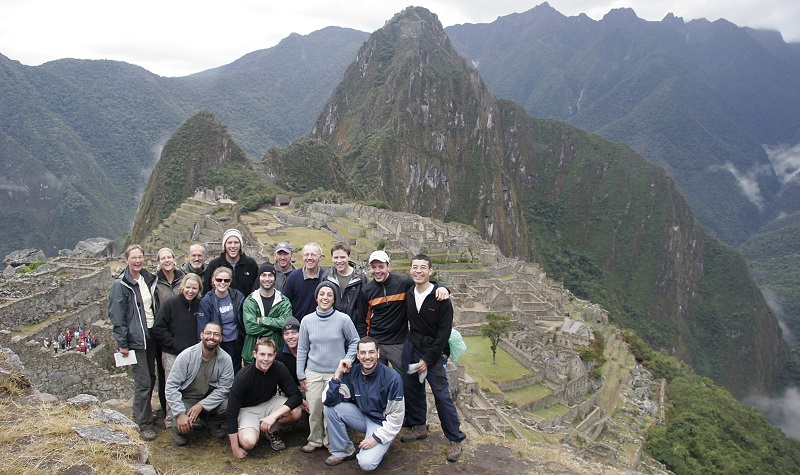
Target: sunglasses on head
(222, 280)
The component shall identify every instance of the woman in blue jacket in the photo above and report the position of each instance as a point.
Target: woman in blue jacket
(223, 305)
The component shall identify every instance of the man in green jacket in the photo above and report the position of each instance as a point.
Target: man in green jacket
(264, 313)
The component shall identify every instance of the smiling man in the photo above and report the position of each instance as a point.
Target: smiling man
(245, 268)
(198, 386)
(347, 278)
(367, 398)
(254, 406)
(265, 311)
(302, 283)
(196, 261)
(284, 254)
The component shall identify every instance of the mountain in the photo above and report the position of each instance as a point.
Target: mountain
(78, 139)
(701, 99)
(413, 125)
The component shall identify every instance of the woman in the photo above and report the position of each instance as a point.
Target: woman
(130, 308)
(223, 305)
(327, 337)
(176, 324)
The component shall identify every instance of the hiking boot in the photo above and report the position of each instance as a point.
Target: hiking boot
(332, 460)
(179, 439)
(147, 434)
(275, 441)
(454, 451)
(416, 433)
(218, 432)
(309, 448)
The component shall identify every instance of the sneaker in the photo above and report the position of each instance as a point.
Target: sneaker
(309, 448)
(454, 451)
(275, 441)
(333, 460)
(416, 433)
(179, 439)
(147, 434)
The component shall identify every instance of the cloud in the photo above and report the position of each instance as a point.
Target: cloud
(782, 411)
(785, 160)
(748, 182)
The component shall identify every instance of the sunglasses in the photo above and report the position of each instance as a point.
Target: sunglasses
(222, 280)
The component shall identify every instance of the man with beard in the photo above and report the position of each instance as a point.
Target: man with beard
(265, 311)
(196, 261)
(253, 403)
(198, 386)
(244, 268)
(367, 398)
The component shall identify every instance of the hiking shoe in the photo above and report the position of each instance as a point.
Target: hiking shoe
(147, 434)
(454, 451)
(416, 433)
(333, 460)
(275, 441)
(179, 439)
(309, 448)
(218, 432)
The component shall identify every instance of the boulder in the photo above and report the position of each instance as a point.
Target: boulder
(23, 257)
(94, 247)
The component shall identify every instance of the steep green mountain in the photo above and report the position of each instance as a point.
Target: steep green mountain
(413, 125)
(199, 145)
(78, 139)
(699, 98)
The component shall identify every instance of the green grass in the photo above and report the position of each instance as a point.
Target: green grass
(529, 394)
(551, 412)
(478, 361)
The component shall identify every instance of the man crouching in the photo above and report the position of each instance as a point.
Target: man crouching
(369, 399)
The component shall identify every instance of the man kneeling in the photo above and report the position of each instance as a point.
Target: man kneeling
(253, 403)
(369, 399)
(198, 385)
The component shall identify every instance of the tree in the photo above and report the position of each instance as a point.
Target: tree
(495, 327)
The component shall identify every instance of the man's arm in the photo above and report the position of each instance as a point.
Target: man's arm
(394, 412)
(117, 313)
(441, 340)
(361, 313)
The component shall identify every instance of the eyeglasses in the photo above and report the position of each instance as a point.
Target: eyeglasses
(419, 267)
(222, 280)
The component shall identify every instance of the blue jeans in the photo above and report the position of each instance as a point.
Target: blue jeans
(344, 415)
(416, 401)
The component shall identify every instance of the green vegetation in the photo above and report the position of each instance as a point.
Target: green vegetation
(707, 431)
(495, 327)
(30, 267)
(527, 395)
(480, 366)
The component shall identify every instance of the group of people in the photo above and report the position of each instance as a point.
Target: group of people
(84, 341)
(293, 340)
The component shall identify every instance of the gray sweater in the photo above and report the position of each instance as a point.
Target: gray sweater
(324, 341)
(185, 369)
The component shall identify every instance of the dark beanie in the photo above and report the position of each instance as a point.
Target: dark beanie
(266, 267)
(325, 283)
(291, 324)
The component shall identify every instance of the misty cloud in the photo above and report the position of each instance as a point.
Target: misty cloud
(785, 161)
(777, 309)
(782, 411)
(748, 182)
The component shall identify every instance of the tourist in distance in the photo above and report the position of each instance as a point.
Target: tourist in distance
(300, 286)
(264, 313)
(198, 386)
(327, 339)
(254, 405)
(382, 308)
(425, 354)
(367, 398)
(223, 305)
(347, 278)
(243, 268)
(130, 309)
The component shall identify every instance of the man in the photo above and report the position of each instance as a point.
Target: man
(369, 399)
(382, 309)
(130, 309)
(198, 385)
(288, 354)
(347, 277)
(425, 354)
(244, 267)
(283, 263)
(196, 261)
(264, 313)
(253, 403)
(301, 285)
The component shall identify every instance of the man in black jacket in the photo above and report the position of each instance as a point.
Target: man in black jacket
(245, 268)
(426, 350)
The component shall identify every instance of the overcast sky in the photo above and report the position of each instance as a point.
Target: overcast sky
(180, 37)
